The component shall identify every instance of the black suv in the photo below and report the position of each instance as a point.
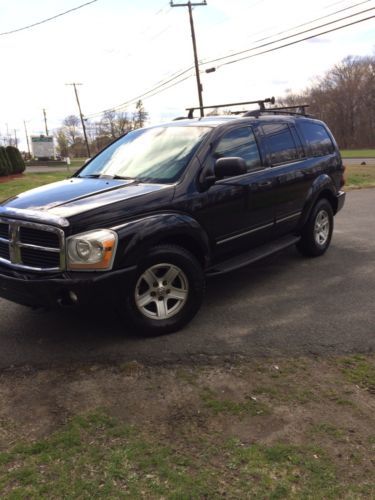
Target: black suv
(144, 221)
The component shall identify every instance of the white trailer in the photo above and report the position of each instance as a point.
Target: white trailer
(43, 147)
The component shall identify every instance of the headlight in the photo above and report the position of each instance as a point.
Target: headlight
(94, 250)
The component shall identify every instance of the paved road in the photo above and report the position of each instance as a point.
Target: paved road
(45, 170)
(285, 305)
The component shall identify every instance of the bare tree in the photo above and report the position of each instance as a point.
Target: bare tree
(100, 133)
(62, 141)
(115, 124)
(123, 122)
(345, 99)
(140, 115)
(108, 123)
(71, 126)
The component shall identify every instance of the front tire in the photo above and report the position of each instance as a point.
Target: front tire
(317, 232)
(166, 291)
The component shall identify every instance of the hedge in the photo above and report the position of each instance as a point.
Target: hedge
(5, 165)
(16, 160)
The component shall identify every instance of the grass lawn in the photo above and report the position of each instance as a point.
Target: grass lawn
(272, 428)
(78, 162)
(28, 181)
(360, 176)
(358, 153)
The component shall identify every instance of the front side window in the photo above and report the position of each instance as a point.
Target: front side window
(280, 143)
(240, 143)
(317, 138)
(158, 154)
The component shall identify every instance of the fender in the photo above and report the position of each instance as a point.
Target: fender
(138, 236)
(322, 184)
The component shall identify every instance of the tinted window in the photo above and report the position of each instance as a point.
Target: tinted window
(240, 143)
(317, 138)
(280, 142)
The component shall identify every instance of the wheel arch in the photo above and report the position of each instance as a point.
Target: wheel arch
(188, 243)
(328, 195)
(137, 237)
(322, 187)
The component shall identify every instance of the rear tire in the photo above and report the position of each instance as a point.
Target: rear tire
(317, 232)
(166, 292)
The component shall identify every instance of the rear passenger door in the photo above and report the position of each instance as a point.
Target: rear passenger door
(287, 159)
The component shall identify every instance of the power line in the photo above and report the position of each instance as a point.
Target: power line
(154, 93)
(296, 41)
(163, 83)
(285, 38)
(312, 21)
(163, 10)
(48, 19)
(169, 86)
(145, 94)
(162, 86)
(266, 31)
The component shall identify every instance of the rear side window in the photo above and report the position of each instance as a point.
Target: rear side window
(317, 138)
(280, 143)
(242, 144)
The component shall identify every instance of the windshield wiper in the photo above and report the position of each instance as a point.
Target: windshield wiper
(89, 176)
(110, 177)
(122, 177)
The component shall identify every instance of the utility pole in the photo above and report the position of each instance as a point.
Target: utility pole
(27, 139)
(15, 138)
(8, 136)
(199, 84)
(81, 116)
(45, 120)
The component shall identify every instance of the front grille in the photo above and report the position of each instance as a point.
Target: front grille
(40, 238)
(39, 258)
(25, 245)
(4, 230)
(4, 250)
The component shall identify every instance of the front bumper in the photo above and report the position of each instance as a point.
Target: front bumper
(340, 200)
(42, 291)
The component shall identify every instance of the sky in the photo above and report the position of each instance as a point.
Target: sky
(119, 49)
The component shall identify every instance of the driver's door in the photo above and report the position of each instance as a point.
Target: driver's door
(238, 211)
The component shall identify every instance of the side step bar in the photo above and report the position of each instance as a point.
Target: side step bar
(253, 255)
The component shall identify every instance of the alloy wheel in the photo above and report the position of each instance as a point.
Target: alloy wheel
(161, 291)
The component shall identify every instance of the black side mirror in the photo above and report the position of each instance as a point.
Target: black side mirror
(230, 167)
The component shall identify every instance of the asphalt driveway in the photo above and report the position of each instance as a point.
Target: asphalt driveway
(285, 305)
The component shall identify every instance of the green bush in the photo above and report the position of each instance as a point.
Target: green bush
(21, 162)
(5, 165)
(16, 160)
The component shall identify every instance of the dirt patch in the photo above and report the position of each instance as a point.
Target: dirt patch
(259, 405)
(7, 178)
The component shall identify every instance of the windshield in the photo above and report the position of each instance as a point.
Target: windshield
(157, 154)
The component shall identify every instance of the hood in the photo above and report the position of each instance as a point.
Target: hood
(73, 196)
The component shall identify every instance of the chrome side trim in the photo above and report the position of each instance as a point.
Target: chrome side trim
(34, 215)
(230, 238)
(292, 216)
